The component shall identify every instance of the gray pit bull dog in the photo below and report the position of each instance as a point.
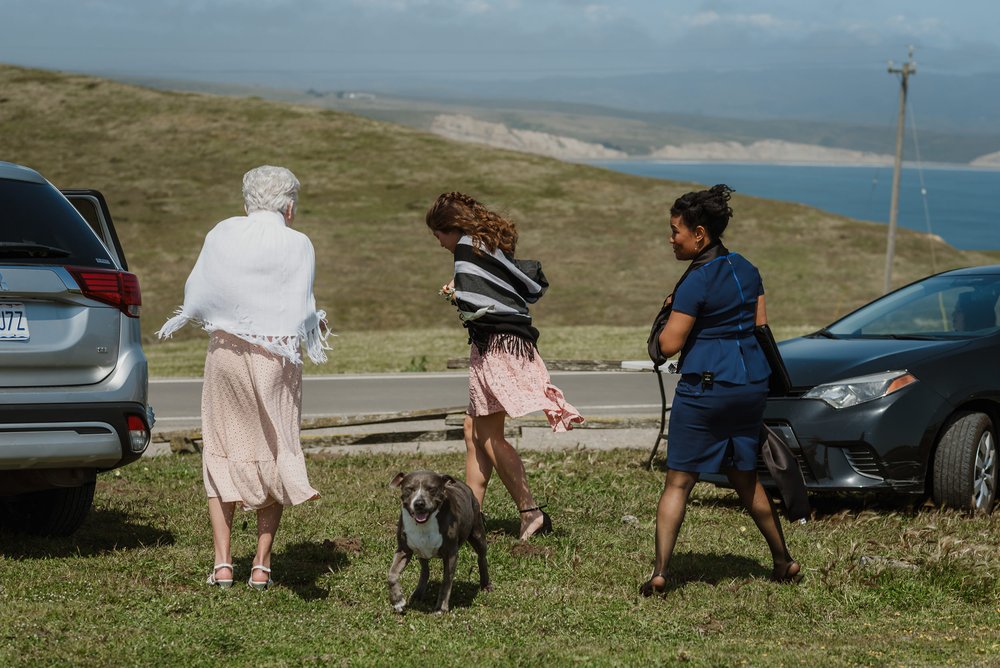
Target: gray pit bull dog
(439, 514)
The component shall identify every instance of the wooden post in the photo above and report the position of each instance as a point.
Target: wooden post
(908, 68)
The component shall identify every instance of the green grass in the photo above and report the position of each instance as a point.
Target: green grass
(128, 588)
(170, 165)
(426, 349)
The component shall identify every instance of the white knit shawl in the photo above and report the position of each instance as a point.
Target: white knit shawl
(254, 279)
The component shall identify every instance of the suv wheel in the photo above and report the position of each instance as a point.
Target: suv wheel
(966, 464)
(51, 512)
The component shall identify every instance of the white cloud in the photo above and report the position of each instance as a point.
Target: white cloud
(916, 28)
(759, 20)
(461, 6)
(477, 7)
(328, 40)
(703, 19)
(598, 13)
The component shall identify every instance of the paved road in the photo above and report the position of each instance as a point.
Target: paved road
(177, 401)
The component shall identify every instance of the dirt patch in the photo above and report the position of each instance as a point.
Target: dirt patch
(528, 550)
(350, 545)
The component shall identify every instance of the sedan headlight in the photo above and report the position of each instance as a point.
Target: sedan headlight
(854, 391)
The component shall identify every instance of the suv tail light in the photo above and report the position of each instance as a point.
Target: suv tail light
(118, 288)
(138, 433)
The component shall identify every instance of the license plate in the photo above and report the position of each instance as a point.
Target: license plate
(13, 322)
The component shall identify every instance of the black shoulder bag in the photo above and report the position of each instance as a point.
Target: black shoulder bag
(780, 460)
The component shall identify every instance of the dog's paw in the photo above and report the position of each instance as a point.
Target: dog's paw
(399, 607)
(486, 587)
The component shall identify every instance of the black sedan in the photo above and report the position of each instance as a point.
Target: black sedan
(901, 396)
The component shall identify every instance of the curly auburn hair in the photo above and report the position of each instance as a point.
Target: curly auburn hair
(708, 208)
(457, 211)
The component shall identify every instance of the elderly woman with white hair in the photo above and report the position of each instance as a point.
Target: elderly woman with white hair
(252, 290)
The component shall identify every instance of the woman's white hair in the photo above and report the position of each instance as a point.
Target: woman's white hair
(268, 188)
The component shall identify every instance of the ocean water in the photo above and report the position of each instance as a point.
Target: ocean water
(958, 204)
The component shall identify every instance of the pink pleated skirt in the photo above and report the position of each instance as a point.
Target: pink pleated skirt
(502, 382)
(251, 407)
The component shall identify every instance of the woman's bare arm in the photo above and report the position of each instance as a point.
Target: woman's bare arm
(761, 311)
(675, 333)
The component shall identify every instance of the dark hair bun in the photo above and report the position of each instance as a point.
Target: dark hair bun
(707, 208)
(722, 191)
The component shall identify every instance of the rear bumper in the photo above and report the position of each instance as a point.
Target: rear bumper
(62, 436)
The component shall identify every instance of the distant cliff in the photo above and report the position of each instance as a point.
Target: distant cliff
(463, 127)
(988, 160)
(467, 128)
(769, 150)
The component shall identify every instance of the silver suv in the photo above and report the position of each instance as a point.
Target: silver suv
(73, 377)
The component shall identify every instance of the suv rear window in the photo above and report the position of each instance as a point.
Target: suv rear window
(38, 226)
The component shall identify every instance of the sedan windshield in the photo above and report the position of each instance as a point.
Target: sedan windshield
(960, 305)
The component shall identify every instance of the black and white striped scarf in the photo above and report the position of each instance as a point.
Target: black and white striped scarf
(492, 292)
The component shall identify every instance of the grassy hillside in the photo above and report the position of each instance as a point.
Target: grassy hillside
(170, 165)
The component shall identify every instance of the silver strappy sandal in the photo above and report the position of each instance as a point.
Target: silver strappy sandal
(260, 586)
(216, 582)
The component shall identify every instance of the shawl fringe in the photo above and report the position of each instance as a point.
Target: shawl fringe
(173, 324)
(315, 338)
(511, 344)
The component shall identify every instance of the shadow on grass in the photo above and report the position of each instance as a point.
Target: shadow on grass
(299, 566)
(833, 505)
(463, 592)
(712, 568)
(104, 531)
(829, 505)
(506, 526)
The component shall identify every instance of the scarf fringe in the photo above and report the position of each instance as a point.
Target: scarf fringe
(284, 346)
(315, 339)
(173, 324)
(512, 345)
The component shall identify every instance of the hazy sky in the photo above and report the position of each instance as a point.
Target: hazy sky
(331, 43)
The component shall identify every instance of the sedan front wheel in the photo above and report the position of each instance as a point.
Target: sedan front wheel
(966, 464)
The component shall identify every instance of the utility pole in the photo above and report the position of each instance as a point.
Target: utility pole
(908, 68)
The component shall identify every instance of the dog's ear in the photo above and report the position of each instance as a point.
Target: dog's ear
(397, 480)
(448, 480)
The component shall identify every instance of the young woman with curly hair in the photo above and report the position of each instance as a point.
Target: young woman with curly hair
(507, 376)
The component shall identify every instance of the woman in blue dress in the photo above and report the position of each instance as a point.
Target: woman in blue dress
(718, 407)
